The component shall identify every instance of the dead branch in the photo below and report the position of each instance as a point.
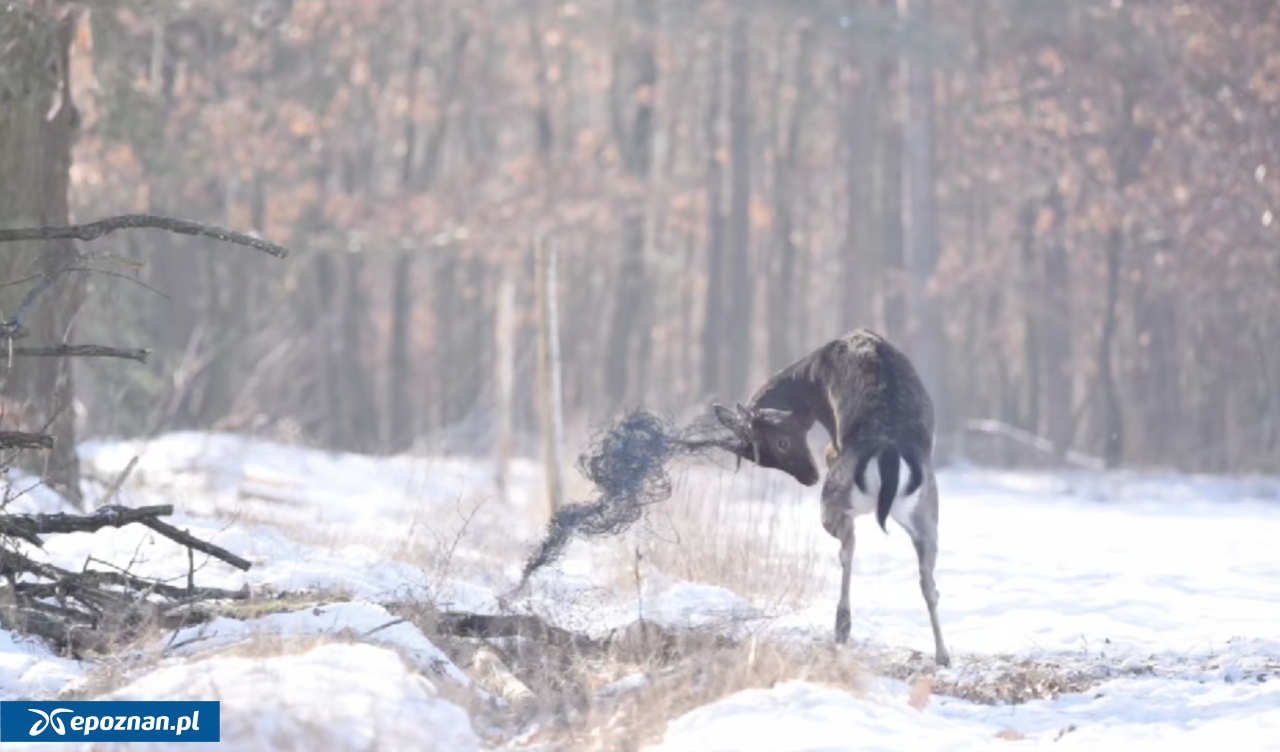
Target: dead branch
(113, 516)
(95, 230)
(95, 609)
(190, 541)
(82, 351)
(23, 440)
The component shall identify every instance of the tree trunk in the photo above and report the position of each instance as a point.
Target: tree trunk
(736, 370)
(927, 340)
(713, 326)
(782, 289)
(889, 170)
(1112, 423)
(37, 125)
(1032, 302)
(400, 411)
(859, 265)
(635, 77)
(1057, 351)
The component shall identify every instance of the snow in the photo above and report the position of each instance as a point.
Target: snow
(334, 697)
(368, 621)
(1157, 590)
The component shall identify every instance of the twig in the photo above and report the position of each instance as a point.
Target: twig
(95, 230)
(118, 483)
(82, 351)
(388, 625)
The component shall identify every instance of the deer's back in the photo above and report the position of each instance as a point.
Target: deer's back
(875, 392)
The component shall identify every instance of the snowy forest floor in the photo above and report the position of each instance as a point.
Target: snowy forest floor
(1119, 610)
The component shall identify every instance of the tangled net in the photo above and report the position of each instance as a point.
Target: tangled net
(627, 464)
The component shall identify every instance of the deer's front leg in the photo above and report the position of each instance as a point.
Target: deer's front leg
(837, 520)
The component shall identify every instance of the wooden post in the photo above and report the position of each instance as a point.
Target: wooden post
(549, 371)
(504, 336)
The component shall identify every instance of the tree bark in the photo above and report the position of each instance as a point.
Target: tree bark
(400, 411)
(635, 77)
(1112, 423)
(736, 369)
(713, 326)
(782, 288)
(37, 126)
(928, 341)
(1058, 391)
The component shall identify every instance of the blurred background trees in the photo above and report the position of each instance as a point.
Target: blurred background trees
(1062, 210)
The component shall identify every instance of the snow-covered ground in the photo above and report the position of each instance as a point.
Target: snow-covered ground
(1155, 596)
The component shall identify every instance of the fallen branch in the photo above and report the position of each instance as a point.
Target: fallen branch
(190, 541)
(82, 351)
(95, 230)
(113, 516)
(95, 609)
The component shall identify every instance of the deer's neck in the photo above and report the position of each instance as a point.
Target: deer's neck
(799, 391)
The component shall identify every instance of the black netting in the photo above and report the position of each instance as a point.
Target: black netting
(628, 466)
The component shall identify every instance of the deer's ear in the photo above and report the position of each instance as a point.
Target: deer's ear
(771, 417)
(729, 418)
(738, 421)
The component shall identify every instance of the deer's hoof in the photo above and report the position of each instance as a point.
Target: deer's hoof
(842, 625)
(943, 660)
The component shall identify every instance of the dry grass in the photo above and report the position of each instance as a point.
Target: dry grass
(621, 692)
(756, 548)
(1000, 682)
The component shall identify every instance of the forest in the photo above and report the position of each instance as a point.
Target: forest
(1062, 211)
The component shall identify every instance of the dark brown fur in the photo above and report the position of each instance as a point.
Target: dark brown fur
(869, 398)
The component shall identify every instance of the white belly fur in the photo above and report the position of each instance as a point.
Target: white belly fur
(903, 506)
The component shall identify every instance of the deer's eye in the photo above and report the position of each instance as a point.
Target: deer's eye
(783, 444)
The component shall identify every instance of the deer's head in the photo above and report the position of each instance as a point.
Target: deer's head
(772, 438)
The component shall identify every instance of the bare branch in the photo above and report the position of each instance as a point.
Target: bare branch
(83, 351)
(114, 516)
(95, 230)
(190, 541)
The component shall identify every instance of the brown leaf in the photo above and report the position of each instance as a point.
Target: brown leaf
(1010, 735)
(920, 692)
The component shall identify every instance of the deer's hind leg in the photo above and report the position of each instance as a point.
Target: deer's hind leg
(924, 535)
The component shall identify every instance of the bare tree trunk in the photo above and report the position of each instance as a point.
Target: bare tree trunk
(928, 341)
(504, 339)
(736, 370)
(1112, 422)
(549, 372)
(1156, 385)
(1059, 424)
(400, 411)
(713, 326)
(635, 77)
(1032, 302)
(859, 264)
(37, 126)
(889, 169)
(358, 428)
(782, 289)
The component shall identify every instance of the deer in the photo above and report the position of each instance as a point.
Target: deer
(873, 405)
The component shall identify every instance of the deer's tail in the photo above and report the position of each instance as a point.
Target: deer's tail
(890, 462)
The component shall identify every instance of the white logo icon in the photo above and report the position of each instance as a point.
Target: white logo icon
(49, 719)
